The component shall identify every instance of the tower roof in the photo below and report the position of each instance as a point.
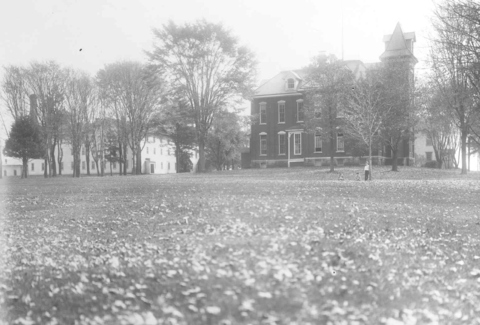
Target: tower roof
(398, 44)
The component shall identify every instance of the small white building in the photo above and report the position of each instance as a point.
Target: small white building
(158, 157)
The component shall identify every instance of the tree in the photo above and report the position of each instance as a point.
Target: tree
(176, 123)
(364, 112)
(224, 140)
(436, 122)
(46, 81)
(399, 111)
(204, 64)
(79, 98)
(24, 142)
(14, 91)
(133, 93)
(456, 60)
(329, 82)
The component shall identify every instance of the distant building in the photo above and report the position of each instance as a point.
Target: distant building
(158, 157)
(278, 136)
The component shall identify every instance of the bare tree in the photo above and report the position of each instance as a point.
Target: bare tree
(47, 81)
(329, 82)
(364, 112)
(14, 91)
(204, 64)
(456, 60)
(79, 99)
(133, 93)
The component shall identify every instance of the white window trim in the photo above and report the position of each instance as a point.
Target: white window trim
(300, 101)
(315, 145)
(300, 153)
(260, 138)
(286, 139)
(342, 150)
(281, 102)
(264, 106)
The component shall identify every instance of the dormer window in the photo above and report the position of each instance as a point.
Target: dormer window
(291, 83)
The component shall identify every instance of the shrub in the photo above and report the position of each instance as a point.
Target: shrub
(431, 164)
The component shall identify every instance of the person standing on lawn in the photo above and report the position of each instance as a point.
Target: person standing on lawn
(367, 170)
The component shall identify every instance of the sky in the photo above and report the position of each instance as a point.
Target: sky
(284, 35)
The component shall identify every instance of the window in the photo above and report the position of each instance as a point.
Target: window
(161, 151)
(43, 167)
(297, 143)
(93, 165)
(318, 143)
(300, 110)
(154, 151)
(263, 144)
(147, 150)
(161, 165)
(83, 165)
(290, 83)
(168, 166)
(14, 172)
(340, 143)
(281, 112)
(33, 167)
(263, 113)
(282, 143)
(429, 141)
(83, 151)
(429, 156)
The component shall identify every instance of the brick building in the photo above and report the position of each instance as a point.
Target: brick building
(278, 136)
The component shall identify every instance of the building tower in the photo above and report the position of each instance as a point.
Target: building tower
(399, 56)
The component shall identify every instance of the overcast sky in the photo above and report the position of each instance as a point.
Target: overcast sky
(87, 34)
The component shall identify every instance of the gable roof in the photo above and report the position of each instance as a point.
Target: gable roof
(276, 85)
(396, 44)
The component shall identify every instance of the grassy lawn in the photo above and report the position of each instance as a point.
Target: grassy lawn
(272, 246)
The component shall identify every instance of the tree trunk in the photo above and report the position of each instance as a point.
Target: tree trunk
(25, 167)
(201, 155)
(45, 170)
(370, 160)
(125, 159)
(53, 164)
(120, 158)
(59, 158)
(395, 159)
(464, 150)
(139, 160)
(332, 152)
(87, 155)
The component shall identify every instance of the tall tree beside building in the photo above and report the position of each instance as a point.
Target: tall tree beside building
(176, 123)
(133, 92)
(80, 97)
(24, 142)
(456, 60)
(204, 63)
(47, 81)
(224, 140)
(364, 113)
(328, 84)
